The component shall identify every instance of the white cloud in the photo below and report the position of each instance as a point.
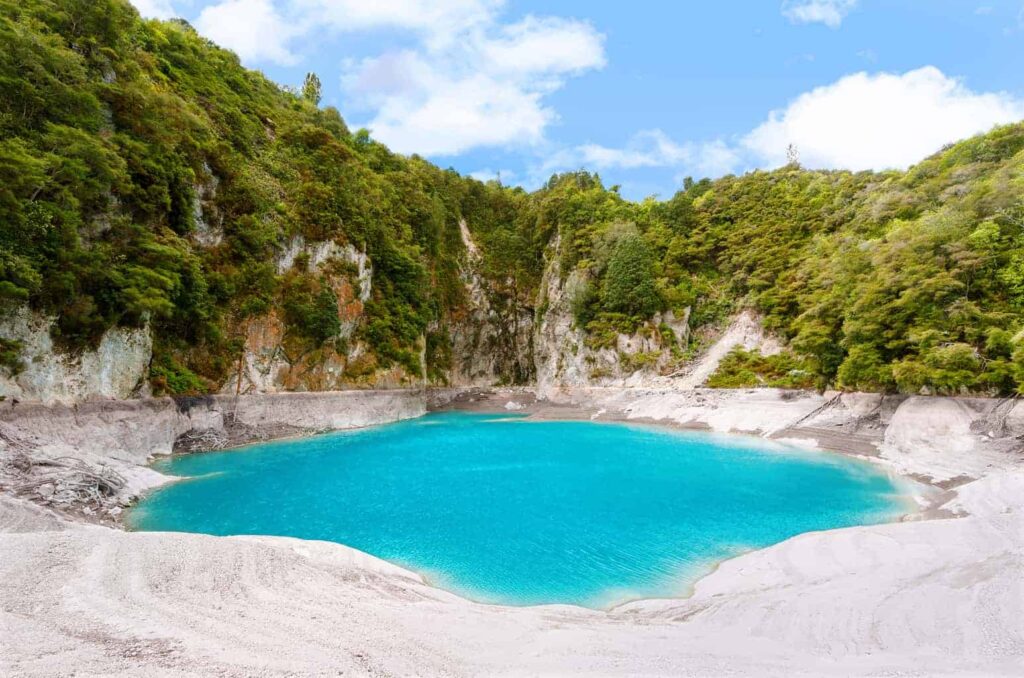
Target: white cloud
(486, 87)
(505, 176)
(828, 12)
(861, 121)
(468, 80)
(435, 109)
(267, 30)
(717, 158)
(253, 29)
(155, 9)
(879, 121)
(438, 22)
(544, 45)
(647, 149)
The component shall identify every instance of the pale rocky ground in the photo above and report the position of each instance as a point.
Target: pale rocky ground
(53, 454)
(916, 598)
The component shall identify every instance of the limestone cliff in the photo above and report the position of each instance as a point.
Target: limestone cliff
(492, 340)
(273, 361)
(566, 356)
(117, 368)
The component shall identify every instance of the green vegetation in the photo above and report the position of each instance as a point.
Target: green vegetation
(311, 308)
(124, 144)
(10, 356)
(628, 285)
(118, 135)
(741, 368)
(311, 89)
(879, 281)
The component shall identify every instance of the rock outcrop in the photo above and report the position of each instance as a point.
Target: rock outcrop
(491, 344)
(744, 330)
(273, 362)
(117, 368)
(50, 452)
(207, 221)
(939, 438)
(566, 356)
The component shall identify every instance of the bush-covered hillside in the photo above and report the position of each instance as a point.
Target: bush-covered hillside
(111, 127)
(147, 178)
(879, 281)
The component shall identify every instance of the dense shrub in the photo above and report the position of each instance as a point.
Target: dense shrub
(741, 368)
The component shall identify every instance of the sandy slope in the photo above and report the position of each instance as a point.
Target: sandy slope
(920, 598)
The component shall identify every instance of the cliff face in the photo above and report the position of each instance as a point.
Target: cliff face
(492, 342)
(117, 368)
(274, 361)
(565, 356)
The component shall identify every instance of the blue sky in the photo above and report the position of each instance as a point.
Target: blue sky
(645, 92)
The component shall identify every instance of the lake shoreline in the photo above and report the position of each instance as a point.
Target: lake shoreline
(853, 601)
(704, 469)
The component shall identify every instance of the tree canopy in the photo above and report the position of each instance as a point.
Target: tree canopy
(146, 177)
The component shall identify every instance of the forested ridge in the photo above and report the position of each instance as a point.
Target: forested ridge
(148, 179)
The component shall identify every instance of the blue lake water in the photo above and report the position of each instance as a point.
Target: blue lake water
(504, 510)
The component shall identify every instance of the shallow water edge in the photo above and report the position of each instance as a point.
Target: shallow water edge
(738, 466)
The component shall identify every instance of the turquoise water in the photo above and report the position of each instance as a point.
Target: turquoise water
(521, 512)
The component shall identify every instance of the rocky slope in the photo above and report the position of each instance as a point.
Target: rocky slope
(487, 347)
(489, 344)
(272, 361)
(90, 458)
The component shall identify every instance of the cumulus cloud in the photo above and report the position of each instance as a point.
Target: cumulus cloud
(155, 9)
(540, 45)
(861, 121)
(253, 29)
(879, 121)
(828, 12)
(647, 149)
(485, 88)
(468, 80)
(268, 30)
(433, 108)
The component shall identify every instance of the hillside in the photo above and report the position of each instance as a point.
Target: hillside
(151, 184)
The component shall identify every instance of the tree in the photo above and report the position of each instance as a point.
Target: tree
(629, 285)
(793, 155)
(311, 89)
